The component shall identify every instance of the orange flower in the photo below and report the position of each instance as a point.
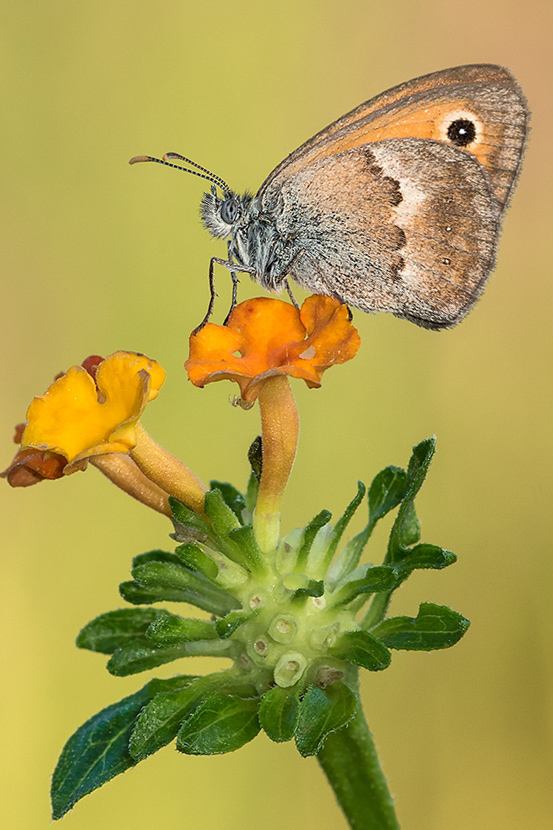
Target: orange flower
(272, 338)
(264, 342)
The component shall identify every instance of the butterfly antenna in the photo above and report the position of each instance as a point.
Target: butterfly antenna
(206, 174)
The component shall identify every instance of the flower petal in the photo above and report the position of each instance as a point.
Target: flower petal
(77, 417)
(331, 336)
(212, 350)
(30, 466)
(265, 337)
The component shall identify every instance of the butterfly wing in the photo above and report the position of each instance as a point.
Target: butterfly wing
(397, 206)
(425, 108)
(402, 226)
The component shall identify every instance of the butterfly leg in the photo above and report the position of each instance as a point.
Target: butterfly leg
(212, 295)
(233, 268)
(289, 292)
(281, 277)
(235, 282)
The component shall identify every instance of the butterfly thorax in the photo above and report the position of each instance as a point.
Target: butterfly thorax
(254, 241)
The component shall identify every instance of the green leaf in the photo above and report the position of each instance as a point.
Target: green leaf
(252, 490)
(363, 649)
(419, 463)
(232, 497)
(405, 529)
(135, 658)
(172, 575)
(311, 530)
(375, 579)
(313, 588)
(349, 558)
(137, 595)
(249, 554)
(228, 625)
(435, 626)
(194, 524)
(222, 517)
(323, 711)
(279, 712)
(223, 723)
(344, 520)
(170, 629)
(116, 629)
(194, 558)
(387, 490)
(154, 556)
(428, 556)
(410, 530)
(224, 522)
(98, 750)
(170, 581)
(160, 720)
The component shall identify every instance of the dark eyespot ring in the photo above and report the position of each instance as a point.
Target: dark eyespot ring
(461, 132)
(230, 211)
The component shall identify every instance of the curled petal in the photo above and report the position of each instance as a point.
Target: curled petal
(213, 352)
(31, 466)
(266, 337)
(78, 417)
(331, 336)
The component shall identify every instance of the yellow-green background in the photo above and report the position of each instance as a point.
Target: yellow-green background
(98, 256)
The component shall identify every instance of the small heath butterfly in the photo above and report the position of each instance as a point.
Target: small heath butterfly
(395, 207)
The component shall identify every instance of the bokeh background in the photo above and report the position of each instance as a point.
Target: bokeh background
(97, 256)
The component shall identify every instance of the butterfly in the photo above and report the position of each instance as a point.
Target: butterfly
(394, 207)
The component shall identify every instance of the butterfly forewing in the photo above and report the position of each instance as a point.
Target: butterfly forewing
(425, 108)
(397, 205)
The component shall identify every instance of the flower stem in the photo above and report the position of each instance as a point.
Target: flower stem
(351, 765)
(279, 430)
(167, 472)
(122, 471)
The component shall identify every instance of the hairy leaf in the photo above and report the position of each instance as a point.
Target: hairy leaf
(323, 711)
(223, 723)
(363, 649)
(232, 497)
(98, 750)
(388, 489)
(435, 626)
(117, 629)
(279, 712)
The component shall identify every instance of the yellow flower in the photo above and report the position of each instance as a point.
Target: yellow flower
(91, 413)
(80, 416)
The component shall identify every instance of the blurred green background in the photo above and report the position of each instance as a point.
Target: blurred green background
(99, 256)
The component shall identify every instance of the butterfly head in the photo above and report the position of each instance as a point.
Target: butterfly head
(223, 215)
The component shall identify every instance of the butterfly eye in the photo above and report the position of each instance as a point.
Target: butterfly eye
(461, 132)
(229, 211)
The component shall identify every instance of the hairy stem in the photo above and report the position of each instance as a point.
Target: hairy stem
(351, 765)
(280, 429)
